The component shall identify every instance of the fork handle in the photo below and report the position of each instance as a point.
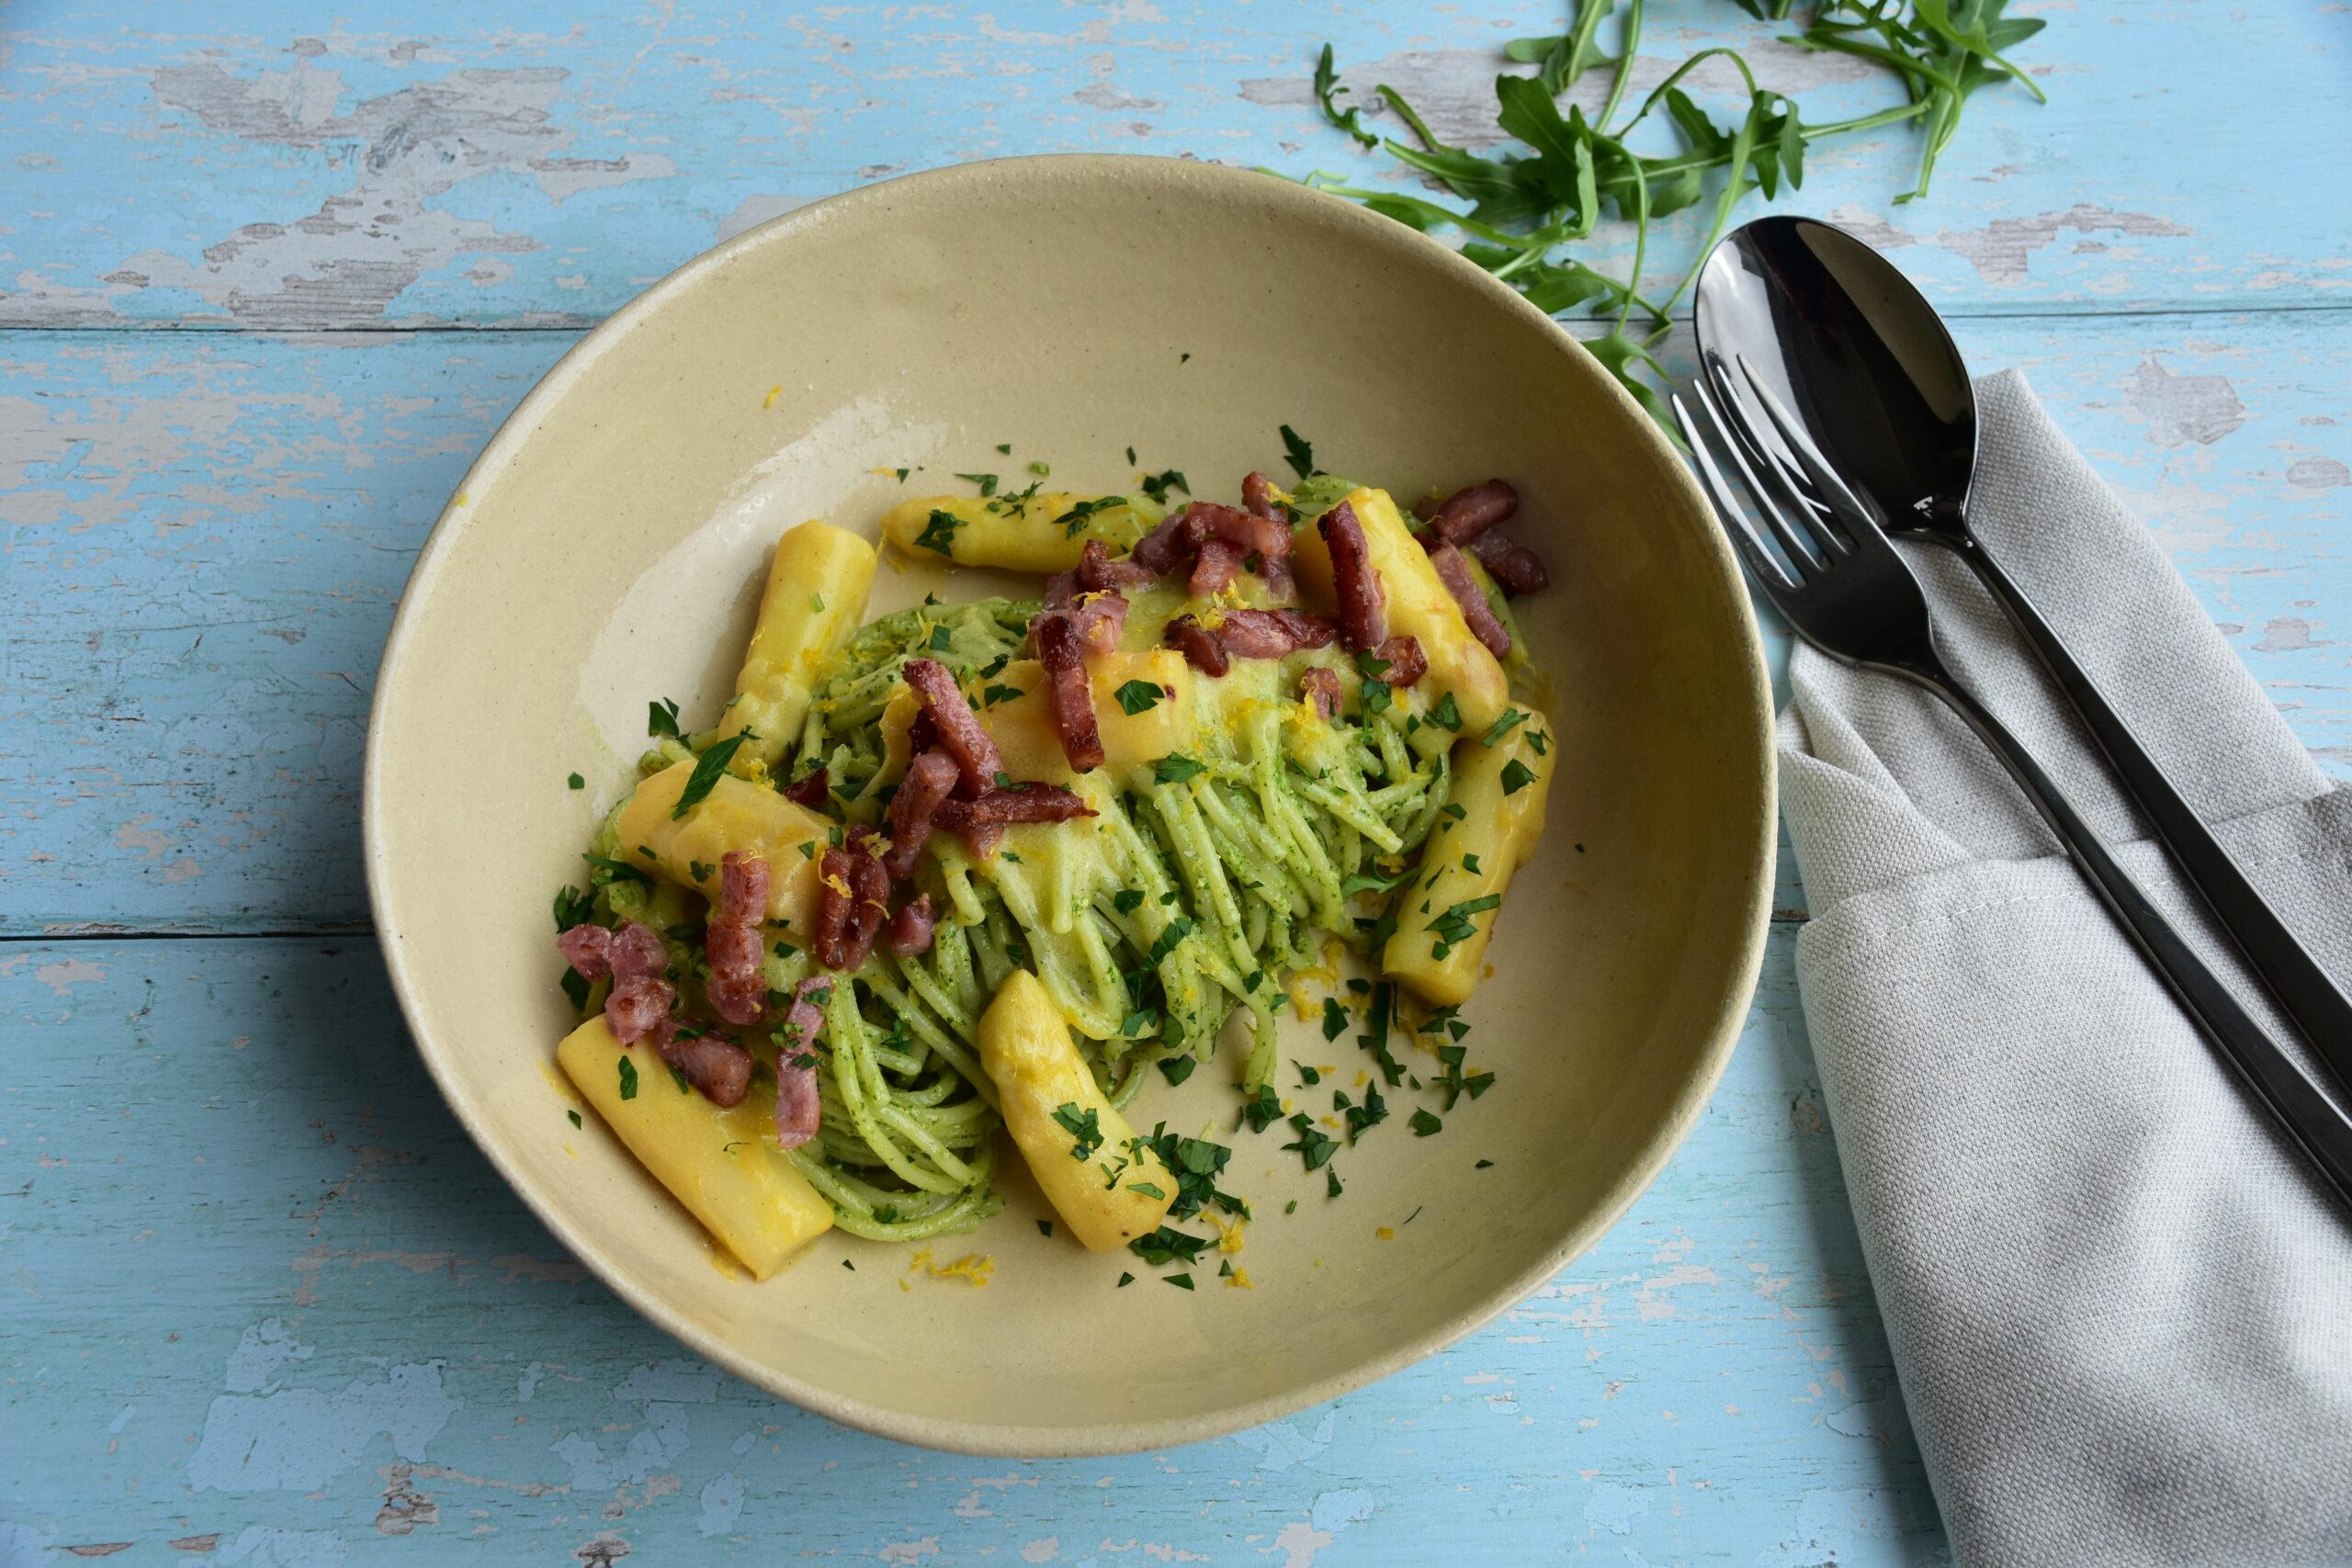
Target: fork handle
(2302, 989)
(2309, 1117)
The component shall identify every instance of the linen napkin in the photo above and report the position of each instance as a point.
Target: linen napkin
(2119, 1304)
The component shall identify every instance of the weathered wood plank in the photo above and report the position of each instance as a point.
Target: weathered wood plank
(262, 1284)
(539, 163)
(207, 533)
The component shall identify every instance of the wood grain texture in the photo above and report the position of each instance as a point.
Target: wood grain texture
(325, 1315)
(271, 1306)
(538, 164)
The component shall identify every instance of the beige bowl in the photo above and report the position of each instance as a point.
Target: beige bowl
(605, 550)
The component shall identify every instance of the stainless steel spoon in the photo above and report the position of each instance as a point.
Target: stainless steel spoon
(1844, 341)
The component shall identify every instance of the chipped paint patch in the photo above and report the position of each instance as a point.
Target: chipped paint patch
(2002, 250)
(262, 1437)
(63, 974)
(2182, 410)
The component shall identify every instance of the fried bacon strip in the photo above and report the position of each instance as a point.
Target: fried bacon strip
(639, 966)
(1467, 513)
(959, 730)
(852, 900)
(1454, 573)
(1070, 695)
(911, 927)
(809, 790)
(1407, 663)
(930, 780)
(797, 1105)
(1270, 634)
(717, 1065)
(1363, 618)
(738, 987)
(1321, 687)
(1517, 569)
(1214, 569)
(1202, 649)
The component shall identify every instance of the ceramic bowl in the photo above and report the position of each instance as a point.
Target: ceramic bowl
(608, 548)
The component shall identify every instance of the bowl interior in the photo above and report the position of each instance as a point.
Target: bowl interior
(607, 549)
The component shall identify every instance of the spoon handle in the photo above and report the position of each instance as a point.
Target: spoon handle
(2303, 990)
(2314, 1121)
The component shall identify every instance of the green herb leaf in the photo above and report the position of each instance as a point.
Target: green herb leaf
(629, 1079)
(1156, 486)
(1083, 1127)
(708, 767)
(1176, 767)
(575, 1117)
(1299, 453)
(576, 782)
(1167, 1245)
(1517, 777)
(1335, 1018)
(661, 718)
(1138, 697)
(1423, 1124)
(1127, 900)
(1176, 1069)
(986, 482)
(1328, 91)
(939, 533)
(1181, 1281)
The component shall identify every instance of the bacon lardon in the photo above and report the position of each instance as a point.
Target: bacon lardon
(911, 927)
(1469, 513)
(930, 780)
(1070, 695)
(798, 1107)
(1202, 649)
(732, 941)
(1270, 634)
(1320, 687)
(974, 751)
(1406, 663)
(1454, 573)
(1364, 617)
(713, 1064)
(1517, 569)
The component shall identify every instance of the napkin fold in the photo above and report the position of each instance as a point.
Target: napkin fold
(2119, 1303)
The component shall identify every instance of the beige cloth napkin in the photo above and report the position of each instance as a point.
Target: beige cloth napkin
(2119, 1304)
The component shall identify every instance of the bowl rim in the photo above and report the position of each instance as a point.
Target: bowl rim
(991, 1439)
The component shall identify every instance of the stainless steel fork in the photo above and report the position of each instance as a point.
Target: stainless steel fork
(1849, 595)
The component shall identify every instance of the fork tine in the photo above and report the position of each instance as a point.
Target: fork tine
(1807, 558)
(1777, 582)
(1758, 439)
(1851, 511)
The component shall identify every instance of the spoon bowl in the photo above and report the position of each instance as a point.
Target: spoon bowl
(1846, 342)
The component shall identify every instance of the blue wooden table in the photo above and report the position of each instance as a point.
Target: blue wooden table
(270, 273)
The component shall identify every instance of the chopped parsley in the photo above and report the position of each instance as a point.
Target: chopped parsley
(661, 718)
(629, 1079)
(1457, 925)
(1127, 900)
(700, 870)
(994, 694)
(1511, 719)
(1139, 1022)
(1375, 1039)
(1264, 1111)
(1517, 777)
(1156, 486)
(572, 907)
(1453, 1081)
(1423, 1124)
(1138, 697)
(940, 640)
(1362, 1119)
(679, 1078)
(1044, 1227)
(939, 533)
(1005, 448)
(1470, 863)
(1124, 1281)
(1041, 468)
(1445, 714)
(1375, 695)
(1196, 1163)
(576, 782)
(1149, 1189)
(575, 1117)
(1314, 1146)
(1181, 1281)
(1166, 1245)
(1178, 930)
(1176, 1069)
(1086, 1128)
(1484, 1164)
(604, 871)
(816, 601)
(1308, 1075)
(1176, 767)
(1335, 1017)
(1073, 521)
(986, 482)
(1131, 457)
(1301, 454)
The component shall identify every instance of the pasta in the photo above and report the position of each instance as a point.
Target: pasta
(992, 863)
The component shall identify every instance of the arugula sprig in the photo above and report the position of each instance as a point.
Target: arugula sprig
(1525, 209)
